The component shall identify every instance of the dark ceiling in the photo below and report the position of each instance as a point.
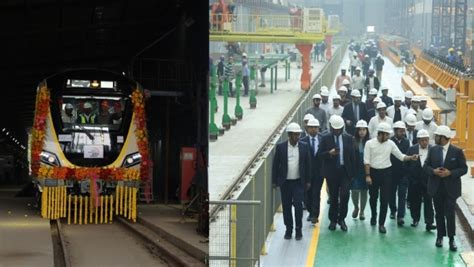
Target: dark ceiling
(40, 38)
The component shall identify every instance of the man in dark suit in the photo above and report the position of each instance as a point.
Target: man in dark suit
(353, 112)
(445, 165)
(291, 171)
(418, 182)
(371, 81)
(399, 181)
(338, 158)
(313, 194)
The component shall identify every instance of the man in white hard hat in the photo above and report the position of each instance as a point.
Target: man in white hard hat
(378, 170)
(318, 112)
(379, 118)
(411, 132)
(341, 78)
(67, 115)
(369, 102)
(336, 108)
(408, 97)
(427, 124)
(306, 118)
(423, 102)
(418, 182)
(358, 81)
(415, 107)
(445, 165)
(337, 152)
(399, 182)
(87, 117)
(325, 99)
(342, 92)
(397, 111)
(355, 63)
(291, 171)
(353, 112)
(371, 81)
(313, 195)
(385, 98)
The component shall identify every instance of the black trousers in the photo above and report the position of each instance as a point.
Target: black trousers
(313, 197)
(231, 93)
(245, 81)
(339, 190)
(419, 194)
(292, 192)
(398, 185)
(445, 216)
(381, 179)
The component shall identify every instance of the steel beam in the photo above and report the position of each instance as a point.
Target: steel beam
(460, 8)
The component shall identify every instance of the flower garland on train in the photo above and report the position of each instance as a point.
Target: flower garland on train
(79, 173)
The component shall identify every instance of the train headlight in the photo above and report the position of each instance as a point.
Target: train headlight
(132, 160)
(49, 158)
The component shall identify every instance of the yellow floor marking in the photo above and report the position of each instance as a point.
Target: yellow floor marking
(312, 251)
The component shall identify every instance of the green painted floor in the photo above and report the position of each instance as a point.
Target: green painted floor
(364, 246)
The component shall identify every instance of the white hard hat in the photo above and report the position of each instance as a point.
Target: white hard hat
(416, 98)
(410, 119)
(342, 88)
(293, 128)
(358, 68)
(373, 91)
(345, 82)
(313, 122)
(377, 99)
(384, 88)
(87, 105)
(423, 98)
(316, 96)
(336, 97)
(308, 116)
(69, 106)
(399, 125)
(384, 127)
(381, 104)
(355, 93)
(427, 114)
(408, 94)
(444, 131)
(397, 98)
(336, 121)
(422, 134)
(324, 92)
(361, 124)
(354, 54)
(244, 54)
(324, 88)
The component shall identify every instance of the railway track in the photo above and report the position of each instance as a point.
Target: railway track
(119, 244)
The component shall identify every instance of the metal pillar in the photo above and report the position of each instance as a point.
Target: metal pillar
(436, 22)
(460, 18)
(446, 17)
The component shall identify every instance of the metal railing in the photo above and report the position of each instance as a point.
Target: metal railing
(254, 184)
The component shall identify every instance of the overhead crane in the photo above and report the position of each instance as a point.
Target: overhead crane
(302, 27)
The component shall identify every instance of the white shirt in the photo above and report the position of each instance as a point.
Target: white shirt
(391, 112)
(325, 107)
(423, 153)
(341, 149)
(411, 136)
(314, 143)
(293, 162)
(357, 82)
(334, 111)
(371, 82)
(445, 151)
(377, 154)
(431, 128)
(374, 122)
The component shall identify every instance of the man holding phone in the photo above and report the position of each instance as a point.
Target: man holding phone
(378, 170)
(445, 164)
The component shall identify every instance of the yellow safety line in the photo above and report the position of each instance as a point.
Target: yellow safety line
(312, 251)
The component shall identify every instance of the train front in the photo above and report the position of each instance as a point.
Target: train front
(89, 147)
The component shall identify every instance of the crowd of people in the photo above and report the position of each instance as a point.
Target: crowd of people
(388, 148)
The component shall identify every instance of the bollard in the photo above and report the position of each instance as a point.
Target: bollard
(286, 70)
(271, 80)
(238, 109)
(253, 98)
(226, 120)
(213, 129)
(276, 75)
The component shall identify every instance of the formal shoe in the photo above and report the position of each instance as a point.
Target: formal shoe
(309, 218)
(373, 221)
(332, 226)
(343, 226)
(392, 215)
(355, 213)
(414, 224)
(314, 220)
(439, 242)
(299, 234)
(400, 222)
(430, 227)
(382, 229)
(361, 216)
(452, 245)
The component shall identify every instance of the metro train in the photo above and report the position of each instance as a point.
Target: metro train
(89, 146)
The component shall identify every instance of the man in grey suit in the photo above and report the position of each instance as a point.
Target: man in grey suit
(444, 166)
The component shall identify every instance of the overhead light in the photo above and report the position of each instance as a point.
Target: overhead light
(3, 130)
(8, 133)
(95, 84)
